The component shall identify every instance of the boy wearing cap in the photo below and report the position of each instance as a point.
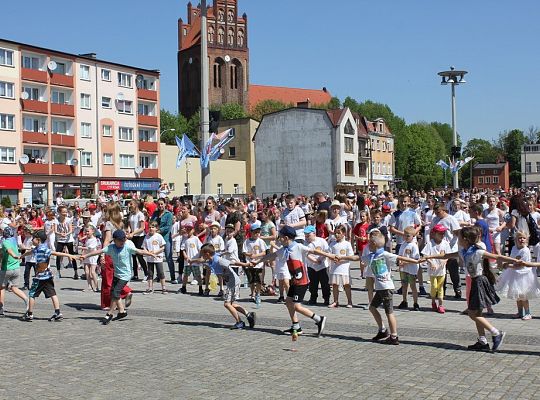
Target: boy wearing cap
(317, 267)
(121, 251)
(437, 267)
(190, 248)
(255, 247)
(292, 255)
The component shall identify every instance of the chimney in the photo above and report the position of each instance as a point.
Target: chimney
(324, 89)
(304, 104)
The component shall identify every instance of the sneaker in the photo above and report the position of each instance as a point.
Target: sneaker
(380, 335)
(2, 312)
(144, 279)
(107, 319)
(56, 317)
(416, 307)
(441, 310)
(290, 331)
(393, 340)
(498, 341)
(207, 292)
(280, 300)
(252, 318)
(183, 290)
(457, 296)
(25, 288)
(312, 302)
(129, 299)
(400, 291)
(27, 317)
(220, 293)
(422, 291)
(320, 325)
(526, 317)
(239, 325)
(148, 291)
(120, 316)
(479, 346)
(403, 305)
(76, 277)
(434, 306)
(174, 282)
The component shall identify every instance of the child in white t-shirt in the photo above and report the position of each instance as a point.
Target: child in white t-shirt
(154, 242)
(191, 247)
(255, 247)
(437, 267)
(408, 272)
(218, 244)
(91, 244)
(230, 253)
(340, 270)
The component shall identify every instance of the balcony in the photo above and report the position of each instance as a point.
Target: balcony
(146, 94)
(67, 110)
(62, 80)
(34, 75)
(35, 137)
(62, 140)
(150, 173)
(35, 106)
(147, 120)
(36, 169)
(148, 146)
(62, 169)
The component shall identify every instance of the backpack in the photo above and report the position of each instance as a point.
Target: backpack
(534, 236)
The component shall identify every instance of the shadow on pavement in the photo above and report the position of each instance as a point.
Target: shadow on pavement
(83, 306)
(222, 326)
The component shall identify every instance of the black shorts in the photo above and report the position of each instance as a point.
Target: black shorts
(297, 292)
(117, 286)
(383, 297)
(42, 286)
(254, 275)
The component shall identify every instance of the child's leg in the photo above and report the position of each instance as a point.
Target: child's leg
(370, 282)
(414, 291)
(94, 275)
(220, 282)
(19, 293)
(31, 302)
(335, 292)
(240, 309)
(420, 277)
(348, 293)
(206, 278)
(55, 302)
(161, 275)
(377, 316)
(439, 282)
(482, 324)
(405, 288)
(362, 267)
(325, 285)
(526, 307)
(87, 274)
(232, 310)
(150, 279)
(392, 323)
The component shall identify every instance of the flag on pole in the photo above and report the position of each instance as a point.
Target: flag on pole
(224, 138)
(205, 154)
(186, 148)
(442, 164)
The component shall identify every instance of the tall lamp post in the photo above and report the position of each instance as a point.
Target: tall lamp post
(205, 114)
(453, 78)
(80, 150)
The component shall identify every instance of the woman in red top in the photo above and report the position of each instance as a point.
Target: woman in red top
(360, 233)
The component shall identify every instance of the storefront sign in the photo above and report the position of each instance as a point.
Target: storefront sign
(129, 185)
(13, 182)
(109, 185)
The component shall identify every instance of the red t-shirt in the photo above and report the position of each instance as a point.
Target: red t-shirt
(321, 230)
(360, 230)
(150, 207)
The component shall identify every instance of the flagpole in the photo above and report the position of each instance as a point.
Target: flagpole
(205, 116)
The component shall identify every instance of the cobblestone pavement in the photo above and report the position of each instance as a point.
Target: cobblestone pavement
(180, 346)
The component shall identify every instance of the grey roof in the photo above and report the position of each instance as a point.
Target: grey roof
(489, 166)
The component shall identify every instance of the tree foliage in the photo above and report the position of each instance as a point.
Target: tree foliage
(180, 124)
(230, 111)
(267, 107)
(510, 143)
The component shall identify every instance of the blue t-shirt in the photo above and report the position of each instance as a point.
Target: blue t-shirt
(42, 253)
(486, 237)
(122, 260)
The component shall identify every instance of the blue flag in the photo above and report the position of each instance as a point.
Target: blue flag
(186, 148)
(442, 164)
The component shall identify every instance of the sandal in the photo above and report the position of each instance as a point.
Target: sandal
(333, 305)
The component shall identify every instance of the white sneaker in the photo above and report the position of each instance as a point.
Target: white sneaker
(144, 279)
(194, 282)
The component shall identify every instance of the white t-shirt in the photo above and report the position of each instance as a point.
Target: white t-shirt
(217, 242)
(95, 219)
(431, 248)
(380, 264)
(175, 229)
(407, 218)
(318, 244)
(29, 245)
(91, 244)
(410, 250)
(342, 249)
(254, 247)
(289, 217)
(192, 246)
(462, 216)
(153, 243)
(231, 250)
(451, 225)
(134, 222)
(521, 254)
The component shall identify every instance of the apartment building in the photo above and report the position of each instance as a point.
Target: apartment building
(75, 124)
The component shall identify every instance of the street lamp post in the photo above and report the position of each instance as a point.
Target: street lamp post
(453, 78)
(205, 114)
(80, 150)
(188, 163)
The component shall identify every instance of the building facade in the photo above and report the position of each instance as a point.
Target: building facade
(530, 165)
(75, 124)
(380, 150)
(492, 176)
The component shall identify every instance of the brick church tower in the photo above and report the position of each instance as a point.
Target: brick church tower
(228, 55)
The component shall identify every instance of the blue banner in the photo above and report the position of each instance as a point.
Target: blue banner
(140, 185)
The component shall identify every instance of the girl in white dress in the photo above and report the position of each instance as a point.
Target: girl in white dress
(520, 282)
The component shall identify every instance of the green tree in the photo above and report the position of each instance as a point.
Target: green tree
(447, 135)
(333, 104)
(230, 111)
(169, 121)
(483, 152)
(267, 107)
(510, 143)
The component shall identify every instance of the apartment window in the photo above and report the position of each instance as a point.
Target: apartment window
(7, 122)
(6, 57)
(363, 169)
(349, 130)
(124, 80)
(106, 102)
(86, 159)
(106, 75)
(31, 124)
(127, 161)
(148, 161)
(378, 167)
(85, 100)
(60, 68)
(528, 167)
(124, 106)
(125, 134)
(107, 130)
(172, 186)
(487, 180)
(378, 145)
(33, 93)
(85, 72)
(59, 157)
(383, 166)
(59, 127)
(145, 109)
(6, 90)
(349, 168)
(236, 188)
(495, 180)
(349, 145)
(537, 168)
(220, 188)
(147, 135)
(107, 158)
(30, 62)
(7, 155)
(480, 179)
(495, 171)
(483, 172)
(58, 97)
(86, 130)
(232, 152)
(388, 148)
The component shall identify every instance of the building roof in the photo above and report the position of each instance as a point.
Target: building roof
(335, 115)
(287, 95)
(38, 49)
(489, 166)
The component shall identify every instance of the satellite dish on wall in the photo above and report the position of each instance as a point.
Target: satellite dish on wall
(52, 65)
(120, 96)
(227, 58)
(25, 95)
(24, 159)
(139, 81)
(138, 170)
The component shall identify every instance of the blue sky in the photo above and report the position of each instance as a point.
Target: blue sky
(387, 51)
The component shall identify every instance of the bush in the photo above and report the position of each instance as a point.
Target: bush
(6, 202)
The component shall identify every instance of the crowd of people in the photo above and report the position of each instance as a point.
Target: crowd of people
(285, 245)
